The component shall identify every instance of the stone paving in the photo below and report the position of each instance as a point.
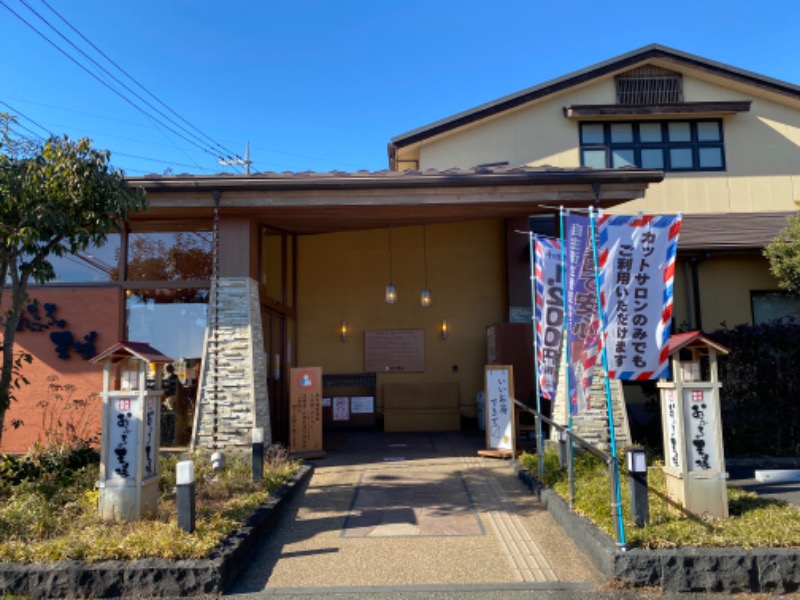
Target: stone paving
(414, 509)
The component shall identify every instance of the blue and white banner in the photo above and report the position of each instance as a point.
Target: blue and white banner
(583, 323)
(548, 313)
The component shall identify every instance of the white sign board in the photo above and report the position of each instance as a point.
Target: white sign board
(701, 425)
(362, 405)
(499, 407)
(672, 450)
(123, 431)
(341, 408)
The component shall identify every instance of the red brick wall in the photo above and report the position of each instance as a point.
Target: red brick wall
(84, 309)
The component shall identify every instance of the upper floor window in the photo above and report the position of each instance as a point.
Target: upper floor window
(96, 264)
(695, 145)
(649, 84)
(170, 255)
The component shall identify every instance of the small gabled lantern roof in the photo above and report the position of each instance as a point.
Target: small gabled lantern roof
(694, 339)
(126, 349)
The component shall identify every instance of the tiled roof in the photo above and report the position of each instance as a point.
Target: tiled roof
(478, 175)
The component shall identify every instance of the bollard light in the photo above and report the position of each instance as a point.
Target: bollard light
(637, 460)
(258, 453)
(218, 461)
(562, 448)
(185, 500)
(637, 482)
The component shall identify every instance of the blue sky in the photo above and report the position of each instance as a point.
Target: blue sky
(325, 84)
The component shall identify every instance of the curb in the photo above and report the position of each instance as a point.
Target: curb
(152, 577)
(681, 570)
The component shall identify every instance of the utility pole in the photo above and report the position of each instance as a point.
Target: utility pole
(238, 160)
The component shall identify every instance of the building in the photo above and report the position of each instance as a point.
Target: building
(299, 254)
(726, 138)
(304, 258)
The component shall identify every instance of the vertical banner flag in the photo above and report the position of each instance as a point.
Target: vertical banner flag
(636, 260)
(548, 313)
(583, 322)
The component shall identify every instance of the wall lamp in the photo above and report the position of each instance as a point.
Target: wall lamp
(344, 331)
(444, 329)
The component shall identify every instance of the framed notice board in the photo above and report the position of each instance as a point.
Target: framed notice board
(305, 411)
(500, 432)
(394, 351)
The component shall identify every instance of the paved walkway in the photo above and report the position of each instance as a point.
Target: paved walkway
(400, 511)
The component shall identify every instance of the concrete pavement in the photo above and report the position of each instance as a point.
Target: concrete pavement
(412, 512)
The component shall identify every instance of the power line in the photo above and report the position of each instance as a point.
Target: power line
(204, 148)
(172, 145)
(18, 125)
(19, 113)
(111, 75)
(165, 162)
(129, 76)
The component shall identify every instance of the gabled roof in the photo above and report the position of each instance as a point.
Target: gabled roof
(126, 349)
(653, 51)
(694, 338)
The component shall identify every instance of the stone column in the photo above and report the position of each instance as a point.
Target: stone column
(592, 424)
(234, 375)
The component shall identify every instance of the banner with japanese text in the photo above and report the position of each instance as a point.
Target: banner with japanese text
(583, 322)
(636, 262)
(548, 312)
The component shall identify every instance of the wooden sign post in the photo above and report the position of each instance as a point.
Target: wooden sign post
(305, 412)
(500, 427)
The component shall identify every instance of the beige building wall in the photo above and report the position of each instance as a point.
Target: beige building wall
(722, 278)
(342, 277)
(725, 282)
(539, 134)
(762, 151)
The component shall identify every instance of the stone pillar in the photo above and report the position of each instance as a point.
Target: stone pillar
(592, 424)
(234, 374)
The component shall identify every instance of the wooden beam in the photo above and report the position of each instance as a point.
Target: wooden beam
(578, 111)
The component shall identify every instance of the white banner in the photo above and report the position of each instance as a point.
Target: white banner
(637, 265)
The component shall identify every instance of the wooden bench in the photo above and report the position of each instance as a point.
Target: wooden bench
(421, 407)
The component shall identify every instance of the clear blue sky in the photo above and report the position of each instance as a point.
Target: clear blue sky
(324, 84)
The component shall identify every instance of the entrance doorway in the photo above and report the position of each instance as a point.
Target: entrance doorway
(279, 322)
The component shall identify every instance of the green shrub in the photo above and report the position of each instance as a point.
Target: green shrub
(49, 514)
(760, 389)
(753, 521)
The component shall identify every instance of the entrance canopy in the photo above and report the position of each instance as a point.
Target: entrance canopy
(308, 203)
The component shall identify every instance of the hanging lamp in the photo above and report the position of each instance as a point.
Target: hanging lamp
(425, 295)
(391, 291)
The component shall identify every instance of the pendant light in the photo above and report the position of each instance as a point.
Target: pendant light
(391, 292)
(425, 295)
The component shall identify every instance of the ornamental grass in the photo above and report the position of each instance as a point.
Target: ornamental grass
(753, 521)
(48, 511)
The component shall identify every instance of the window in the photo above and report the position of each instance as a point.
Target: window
(96, 264)
(664, 145)
(774, 305)
(169, 256)
(649, 84)
(172, 321)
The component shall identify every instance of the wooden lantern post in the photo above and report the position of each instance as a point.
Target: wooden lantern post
(694, 459)
(129, 474)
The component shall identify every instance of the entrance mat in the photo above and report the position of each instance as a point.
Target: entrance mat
(392, 504)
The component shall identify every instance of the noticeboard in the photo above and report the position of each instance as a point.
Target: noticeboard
(394, 351)
(305, 410)
(500, 407)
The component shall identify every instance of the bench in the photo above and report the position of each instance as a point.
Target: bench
(421, 407)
